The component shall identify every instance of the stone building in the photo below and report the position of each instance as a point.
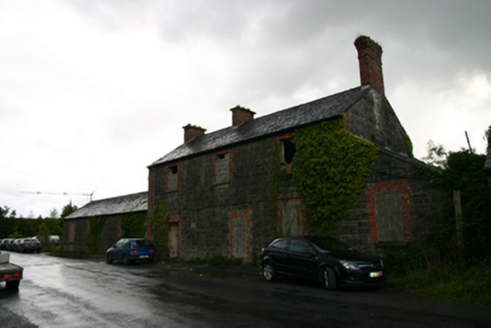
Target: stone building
(110, 215)
(216, 187)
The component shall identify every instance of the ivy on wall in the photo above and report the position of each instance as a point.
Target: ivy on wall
(279, 184)
(330, 167)
(133, 225)
(160, 231)
(96, 226)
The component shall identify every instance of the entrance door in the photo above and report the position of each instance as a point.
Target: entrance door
(174, 241)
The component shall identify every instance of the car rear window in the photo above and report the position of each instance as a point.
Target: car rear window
(142, 242)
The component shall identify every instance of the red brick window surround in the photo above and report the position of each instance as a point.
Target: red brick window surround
(240, 236)
(223, 167)
(173, 177)
(394, 188)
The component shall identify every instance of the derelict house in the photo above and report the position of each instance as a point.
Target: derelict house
(217, 187)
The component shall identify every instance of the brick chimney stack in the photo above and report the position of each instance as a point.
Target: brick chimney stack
(191, 131)
(370, 59)
(240, 115)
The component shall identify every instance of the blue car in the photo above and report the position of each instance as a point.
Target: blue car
(131, 249)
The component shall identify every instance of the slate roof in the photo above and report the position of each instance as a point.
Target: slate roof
(110, 206)
(294, 117)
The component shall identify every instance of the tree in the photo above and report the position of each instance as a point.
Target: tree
(7, 222)
(436, 154)
(43, 233)
(68, 209)
(463, 171)
(53, 213)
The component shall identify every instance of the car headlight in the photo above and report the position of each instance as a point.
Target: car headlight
(350, 265)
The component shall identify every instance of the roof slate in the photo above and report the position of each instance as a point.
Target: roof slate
(294, 117)
(111, 206)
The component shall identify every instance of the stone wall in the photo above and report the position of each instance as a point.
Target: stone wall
(222, 207)
(374, 119)
(397, 206)
(75, 233)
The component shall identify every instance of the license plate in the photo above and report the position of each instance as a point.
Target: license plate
(144, 256)
(376, 274)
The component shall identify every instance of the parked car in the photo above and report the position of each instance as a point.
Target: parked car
(10, 244)
(131, 249)
(54, 241)
(5, 243)
(51, 240)
(26, 245)
(323, 259)
(10, 273)
(14, 245)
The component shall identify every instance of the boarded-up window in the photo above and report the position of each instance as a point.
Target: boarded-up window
(292, 220)
(174, 242)
(172, 178)
(390, 225)
(239, 226)
(71, 233)
(222, 168)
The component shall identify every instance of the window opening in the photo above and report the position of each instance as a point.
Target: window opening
(288, 150)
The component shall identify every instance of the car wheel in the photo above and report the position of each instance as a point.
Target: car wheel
(269, 271)
(329, 278)
(109, 259)
(126, 260)
(12, 285)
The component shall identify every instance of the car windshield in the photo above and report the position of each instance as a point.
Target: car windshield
(141, 242)
(329, 244)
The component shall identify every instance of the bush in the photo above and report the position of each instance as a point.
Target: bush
(430, 273)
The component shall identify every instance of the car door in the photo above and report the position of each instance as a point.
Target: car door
(302, 259)
(118, 250)
(278, 252)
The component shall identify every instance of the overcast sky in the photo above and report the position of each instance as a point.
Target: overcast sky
(92, 92)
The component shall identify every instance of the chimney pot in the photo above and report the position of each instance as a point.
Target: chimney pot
(241, 114)
(191, 131)
(370, 60)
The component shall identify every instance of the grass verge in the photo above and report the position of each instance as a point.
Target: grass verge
(427, 274)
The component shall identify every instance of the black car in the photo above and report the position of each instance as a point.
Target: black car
(323, 259)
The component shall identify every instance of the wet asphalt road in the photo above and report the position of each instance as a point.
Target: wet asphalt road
(57, 292)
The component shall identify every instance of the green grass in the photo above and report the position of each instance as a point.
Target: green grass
(444, 280)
